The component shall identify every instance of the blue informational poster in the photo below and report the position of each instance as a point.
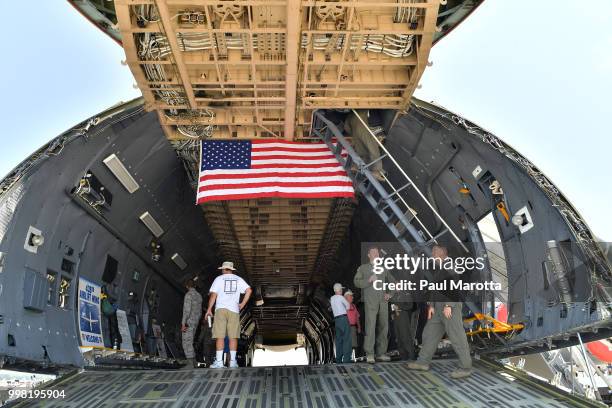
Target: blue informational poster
(90, 325)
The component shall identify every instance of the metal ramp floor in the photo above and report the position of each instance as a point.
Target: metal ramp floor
(356, 385)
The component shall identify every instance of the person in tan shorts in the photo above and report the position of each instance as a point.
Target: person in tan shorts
(225, 296)
(226, 324)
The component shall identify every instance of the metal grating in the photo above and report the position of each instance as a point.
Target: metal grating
(333, 386)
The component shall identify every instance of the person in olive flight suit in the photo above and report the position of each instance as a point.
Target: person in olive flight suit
(376, 305)
(444, 316)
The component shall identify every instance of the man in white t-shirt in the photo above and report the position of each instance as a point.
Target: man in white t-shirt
(225, 292)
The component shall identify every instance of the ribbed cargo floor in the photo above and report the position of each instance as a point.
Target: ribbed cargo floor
(357, 385)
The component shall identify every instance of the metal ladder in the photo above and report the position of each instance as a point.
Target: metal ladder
(386, 200)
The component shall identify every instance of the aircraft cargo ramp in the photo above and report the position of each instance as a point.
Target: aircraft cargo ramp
(342, 386)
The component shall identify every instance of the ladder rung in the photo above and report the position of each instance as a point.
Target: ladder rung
(348, 162)
(438, 235)
(409, 216)
(403, 232)
(338, 149)
(399, 190)
(382, 205)
(386, 201)
(382, 156)
(393, 219)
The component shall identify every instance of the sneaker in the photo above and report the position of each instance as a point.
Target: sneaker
(233, 364)
(370, 359)
(383, 357)
(217, 364)
(461, 373)
(417, 366)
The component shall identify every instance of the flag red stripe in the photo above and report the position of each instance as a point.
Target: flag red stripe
(282, 141)
(279, 195)
(290, 166)
(290, 157)
(279, 184)
(290, 149)
(271, 174)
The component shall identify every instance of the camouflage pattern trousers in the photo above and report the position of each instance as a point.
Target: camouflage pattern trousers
(188, 339)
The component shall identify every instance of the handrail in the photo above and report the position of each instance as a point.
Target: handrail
(411, 182)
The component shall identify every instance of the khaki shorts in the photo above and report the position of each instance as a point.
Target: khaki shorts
(226, 323)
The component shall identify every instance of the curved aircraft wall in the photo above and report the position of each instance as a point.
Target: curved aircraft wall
(74, 235)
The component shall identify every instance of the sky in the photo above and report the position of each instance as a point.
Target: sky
(266, 358)
(538, 74)
(56, 73)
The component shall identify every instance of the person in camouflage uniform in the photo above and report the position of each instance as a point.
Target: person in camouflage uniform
(192, 311)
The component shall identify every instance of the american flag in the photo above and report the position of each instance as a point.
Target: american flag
(235, 170)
